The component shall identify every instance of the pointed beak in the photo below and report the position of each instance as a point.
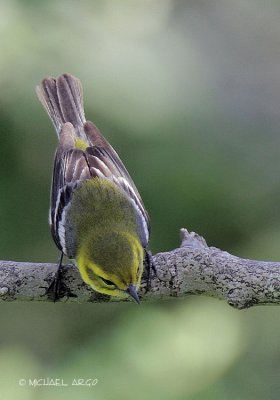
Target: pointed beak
(132, 291)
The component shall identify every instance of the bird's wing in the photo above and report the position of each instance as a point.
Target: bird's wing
(105, 163)
(70, 169)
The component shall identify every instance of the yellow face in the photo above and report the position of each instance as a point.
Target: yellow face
(113, 281)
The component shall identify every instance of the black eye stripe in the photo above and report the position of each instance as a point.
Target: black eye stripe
(110, 283)
(92, 276)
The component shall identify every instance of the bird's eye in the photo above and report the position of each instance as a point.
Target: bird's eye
(107, 282)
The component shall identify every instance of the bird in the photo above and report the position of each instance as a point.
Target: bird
(97, 217)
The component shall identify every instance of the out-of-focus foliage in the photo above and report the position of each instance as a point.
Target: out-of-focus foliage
(188, 92)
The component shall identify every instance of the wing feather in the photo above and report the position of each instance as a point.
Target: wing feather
(105, 163)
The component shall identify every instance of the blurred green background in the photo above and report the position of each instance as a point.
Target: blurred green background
(188, 92)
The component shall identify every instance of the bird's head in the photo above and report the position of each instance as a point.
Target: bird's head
(112, 264)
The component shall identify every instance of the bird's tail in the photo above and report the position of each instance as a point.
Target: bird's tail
(62, 98)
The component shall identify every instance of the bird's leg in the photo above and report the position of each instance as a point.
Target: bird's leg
(149, 266)
(53, 289)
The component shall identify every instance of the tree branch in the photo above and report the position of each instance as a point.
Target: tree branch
(192, 269)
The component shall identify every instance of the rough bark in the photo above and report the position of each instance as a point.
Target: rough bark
(192, 269)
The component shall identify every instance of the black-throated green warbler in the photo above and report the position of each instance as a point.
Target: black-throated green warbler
(96, 215)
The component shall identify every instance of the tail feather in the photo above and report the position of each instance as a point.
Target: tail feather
(62, 98)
